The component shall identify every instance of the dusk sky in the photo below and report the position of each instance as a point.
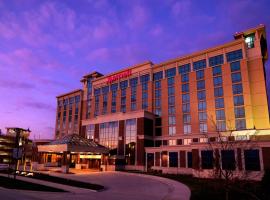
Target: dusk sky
(47, 46)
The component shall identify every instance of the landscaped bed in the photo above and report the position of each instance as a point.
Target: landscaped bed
(10, 183)
(65, 181)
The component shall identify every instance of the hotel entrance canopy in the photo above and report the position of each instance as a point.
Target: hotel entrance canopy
(73, 143)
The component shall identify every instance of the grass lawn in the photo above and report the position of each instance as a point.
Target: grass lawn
(10, 183)
(213, 189)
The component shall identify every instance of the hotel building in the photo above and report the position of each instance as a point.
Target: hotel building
(162, 116)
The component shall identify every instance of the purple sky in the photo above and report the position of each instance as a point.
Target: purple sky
(47, 46)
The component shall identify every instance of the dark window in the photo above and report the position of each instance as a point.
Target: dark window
(165, 142)
(201, 95)
(185, 78)
(170, 72)
(189, 159)
(200, 74)
(185, 87)
(184, 69)
(238, 100)
(219, 103)
(228, 159)
(234, 55)
(216, 70)
(97, 92)
(200, 85)
(236, 77)
(170, 91)
(144, 78)
(186, 107)
(220, 114)
(216, 60)
(201, 64)
(217, 81)
(237, 88)
(239, 112)
(252, 160)
(207, 159)
(185, 98)
(133, 82)
(218, 92)
(157, 84)
(158, 143)
(170, 81)
(201, 105)
(171, 100)
(158, 76)
(124, 84)
(240, 124)
(179, 141)
(235, 66)
(173, 159)
(114, 86)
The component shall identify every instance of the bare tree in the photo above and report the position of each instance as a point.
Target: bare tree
(222, 142)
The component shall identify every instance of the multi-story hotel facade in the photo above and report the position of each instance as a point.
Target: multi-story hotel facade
(162, 116)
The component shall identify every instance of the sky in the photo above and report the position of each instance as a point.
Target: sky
(47, 46)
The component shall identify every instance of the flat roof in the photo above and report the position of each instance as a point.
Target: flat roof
(68, 93)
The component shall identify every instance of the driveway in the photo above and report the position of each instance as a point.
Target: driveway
(119, 186)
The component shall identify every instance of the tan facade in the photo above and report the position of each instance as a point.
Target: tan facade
(217, 89)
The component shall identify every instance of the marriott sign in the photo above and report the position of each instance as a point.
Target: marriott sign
(119, 76)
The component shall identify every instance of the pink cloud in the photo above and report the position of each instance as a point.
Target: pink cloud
(139, 17)
(99, 54)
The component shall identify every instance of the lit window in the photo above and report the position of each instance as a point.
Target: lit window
(187, 129)
(249, 40)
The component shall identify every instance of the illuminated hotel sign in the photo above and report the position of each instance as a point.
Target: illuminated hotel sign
(119, 76)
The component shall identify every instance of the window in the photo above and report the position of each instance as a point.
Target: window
(249, 40)
(170, 81)
(172, 142)
(234, 55)
(218, 92)
(130, 141)
(203, 127)
(124, 84)
(171, 110)
(186, 118)
(252, 160)
(235, 66)
(187, 128)
(144, 78)
(133, 82)
(200, 85)
(184, 69)
(185, 87)
(207, 159)
(90, 130)
(171, 100)
(220, 114)
(170, 72)
(158, 76)
(201, 95)
(184, 78)
(202, 116)
(240, 124)
(221, 125)
(239, 112)
(201, 105)
(200, 74)
(201, 64)
(170, 91)
(219, 103)
(157, 84)
(216, 60)
(237, 88)
(236, 77)
(172, 130)
(217, 81)
(108, 134)
(228, 159)
(238, 100)
(216, 70)
(185, 98)
(186, 108)
(189, 159)
(173, 159)
(171, 120)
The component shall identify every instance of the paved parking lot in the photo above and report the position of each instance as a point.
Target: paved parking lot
(118, 186)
